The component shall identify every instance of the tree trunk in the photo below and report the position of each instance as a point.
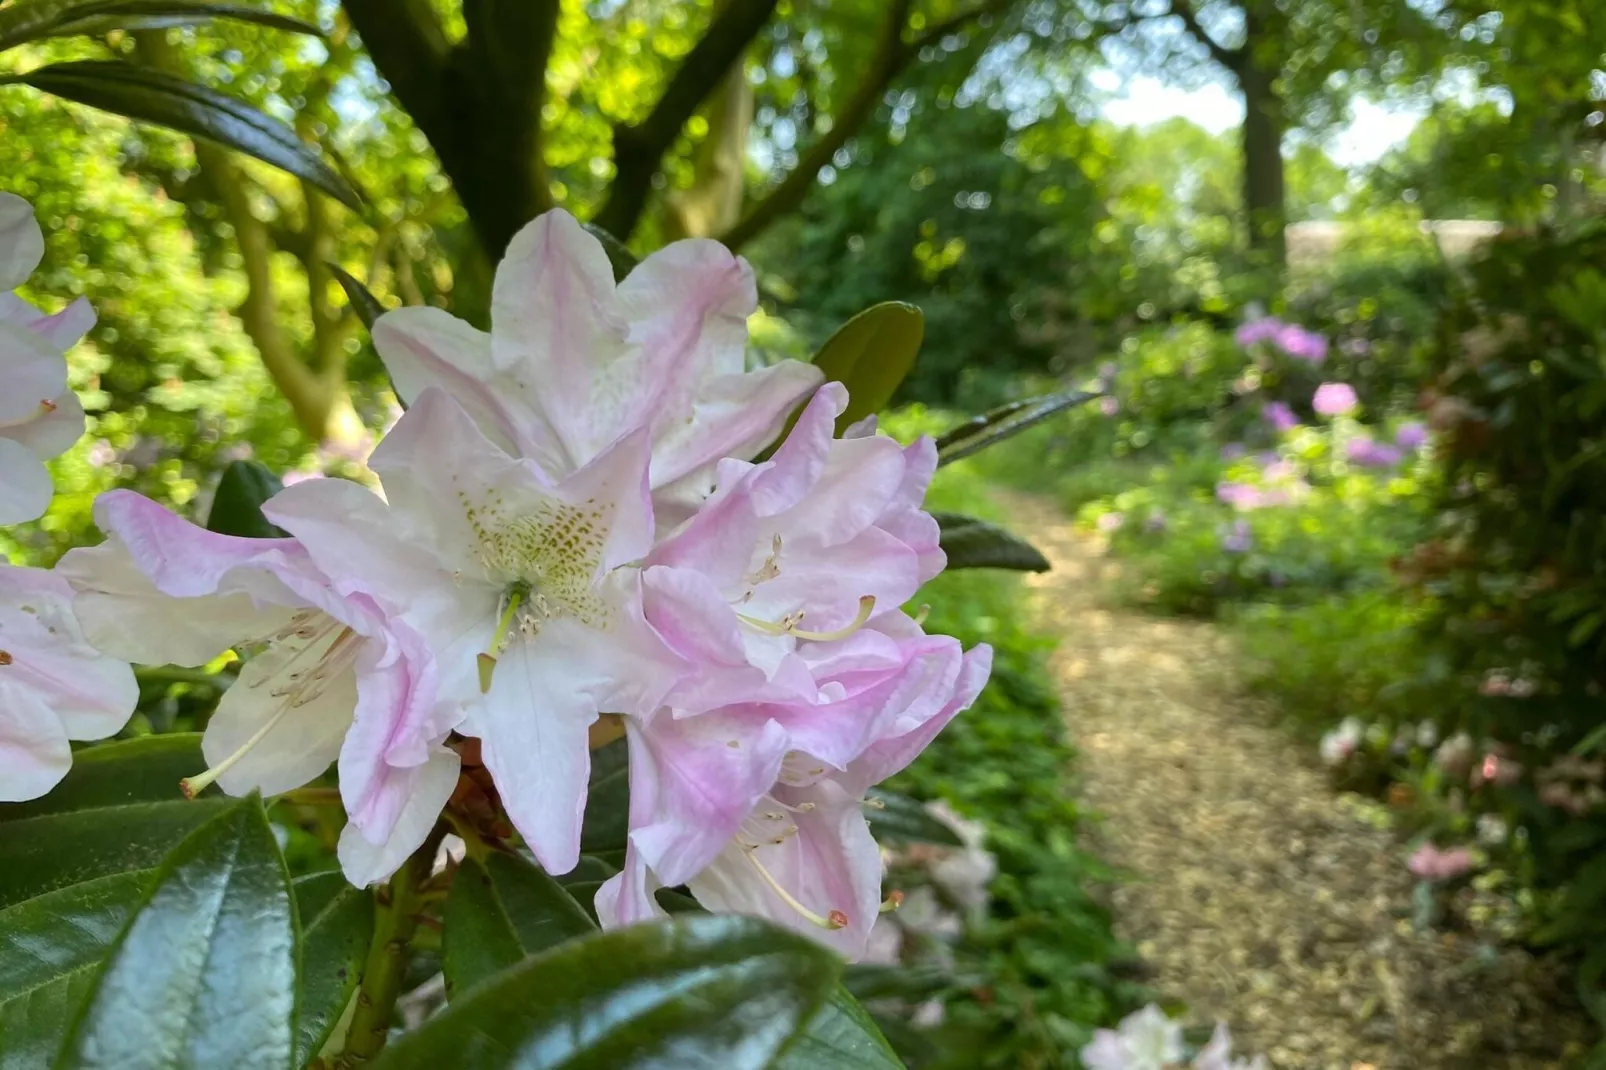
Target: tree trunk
(1265, 121)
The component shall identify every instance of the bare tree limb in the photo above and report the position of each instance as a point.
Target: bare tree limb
(1231, 58)
(892, 55)
(638, 149)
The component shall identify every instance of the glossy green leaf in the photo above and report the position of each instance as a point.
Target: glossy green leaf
(153, 97)
(840, 1036)
(237, 504)
(31, 20)
(700, 990)
(607, 816)
(501, 912)
(900, 819)
(73, 865)
(870, 355)
(972, 543)
(1006, 421)
(363, 302)
(337, 923)
(204, 974)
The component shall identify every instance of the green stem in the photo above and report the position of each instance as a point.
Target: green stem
(173, 674)
(395, 921)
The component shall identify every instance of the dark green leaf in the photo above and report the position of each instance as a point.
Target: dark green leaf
(704, 990)
(31, 20)
(73, 864)
(337, 923)
(204, 973)
(607, 816)
(622, 260)
(840, 1036)
(153, 97)
(870, 355)
(871, 981)
(991, 428)
(972, 543)
(900, 819)
(237, 505)
(502, 912)
(363, 302)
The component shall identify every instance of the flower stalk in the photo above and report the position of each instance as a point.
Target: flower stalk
(396, 917)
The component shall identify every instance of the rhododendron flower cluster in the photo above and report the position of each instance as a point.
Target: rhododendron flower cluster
(571, 526)
(1290, 338)
(1148, 1040)
(54, 686)
(1334, 399)
(1433, 863)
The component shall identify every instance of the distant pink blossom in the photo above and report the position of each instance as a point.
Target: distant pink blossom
(1334, 399)
(1233, 450)
(1240, 496)
(1109, 406)
(1111, 522)
(1411, 436)
(1432, 864)
(1280, 416)
(1372, 454)
(1239, 539)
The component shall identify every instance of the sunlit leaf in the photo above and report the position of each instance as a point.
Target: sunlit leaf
(699, 990)
(1006, 421)
(870, 355)
(153, 97)
(204, 974)
(972, 543)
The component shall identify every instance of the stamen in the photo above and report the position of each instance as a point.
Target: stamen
(487, 660)
(920, 618)
(892, 902)
(832, 921)
(47, 406)
(789, 624)
(192, 786)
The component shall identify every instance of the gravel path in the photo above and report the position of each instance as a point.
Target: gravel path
(1258, 896)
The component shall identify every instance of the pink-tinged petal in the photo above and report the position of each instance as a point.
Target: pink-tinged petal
(62, 331)
(51, 433)
(708, 773)
(354, 538)
(626, 898)
(424, 347)
(732, 416)
(801, 460)
(687, 305)
(25, 487)
(34, 754)
(831, 867)
(35, 374)
(827, 582)
(287, 739)
(693, 617)
(91, 694)
(613, 489)
(720, 539)
(365, 863)
(920, 464)
(860, 478)
(398, 719)
(919, 531)
(124, 614)
(22, 244)
(558, 334)
(864, 428)
(890, 755)
(533, 728)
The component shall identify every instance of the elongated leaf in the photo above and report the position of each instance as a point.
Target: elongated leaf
(73, 864)
(153, 97)
(972, 543)
(870, 355)
(607, 816)
(30, 20)
(204, 973)
(502, 912)
(991, 428)
(873, 981)
(363, 302)
(900, 819)
(702, 990)
(337, 923)
(840, 1036)
(237, 505)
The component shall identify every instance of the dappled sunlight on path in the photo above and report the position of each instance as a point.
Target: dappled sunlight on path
(1257, 895)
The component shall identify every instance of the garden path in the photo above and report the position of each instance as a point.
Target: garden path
(1255, 894)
